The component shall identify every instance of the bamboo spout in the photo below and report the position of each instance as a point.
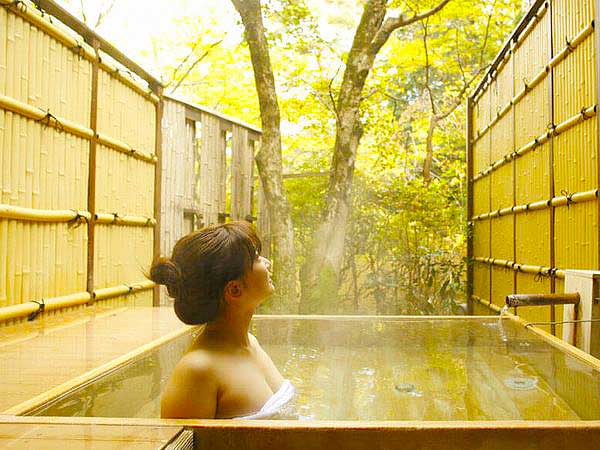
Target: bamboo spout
(515, 300)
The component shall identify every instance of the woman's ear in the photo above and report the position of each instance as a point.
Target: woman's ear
(233, 290)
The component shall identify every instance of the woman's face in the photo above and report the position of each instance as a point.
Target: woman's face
(258, 282)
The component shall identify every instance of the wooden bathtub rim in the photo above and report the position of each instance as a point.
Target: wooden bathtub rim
(547, 337)
(92, 375)
(351, 317)
(310, 424)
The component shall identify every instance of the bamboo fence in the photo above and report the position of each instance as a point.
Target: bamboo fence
(83, 182)
(533, 159)
(77, 133)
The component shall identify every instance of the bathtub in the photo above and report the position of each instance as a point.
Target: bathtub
(381, 382)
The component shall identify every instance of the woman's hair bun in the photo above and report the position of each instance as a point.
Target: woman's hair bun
(201, 265)
(165, 272)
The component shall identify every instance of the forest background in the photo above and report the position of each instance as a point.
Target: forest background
(405, 247)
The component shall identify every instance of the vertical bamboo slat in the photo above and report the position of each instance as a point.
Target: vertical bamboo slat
(3, 55)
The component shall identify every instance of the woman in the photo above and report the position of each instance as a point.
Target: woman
(217, 277)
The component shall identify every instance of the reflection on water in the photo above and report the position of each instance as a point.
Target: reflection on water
(382, 369)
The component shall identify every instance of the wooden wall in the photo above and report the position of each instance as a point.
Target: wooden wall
(207, 170)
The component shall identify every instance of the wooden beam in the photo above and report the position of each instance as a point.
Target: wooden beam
(597, 62)
(157, 188)
(470, 227)
(92, 174)
(192, 113)
(91, 37)
(205, 109)
(551, 165)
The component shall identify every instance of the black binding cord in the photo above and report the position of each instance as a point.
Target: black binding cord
(41, 308)
(47, 121)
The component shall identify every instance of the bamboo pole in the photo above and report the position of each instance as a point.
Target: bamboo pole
(42, 215)
(115, 219)
(525, 268)
(6, 157)
(116, 144)
(66, 301)
(124, 289)
(3, 261)
(514, 166)
(50, 304)
(3, 59)
(561, 200)
(49, 119)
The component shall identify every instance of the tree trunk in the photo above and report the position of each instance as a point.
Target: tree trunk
(268, 159)
(427, 164)
(320, 274)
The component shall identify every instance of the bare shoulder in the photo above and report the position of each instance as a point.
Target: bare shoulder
(197, 362)
(192, 389)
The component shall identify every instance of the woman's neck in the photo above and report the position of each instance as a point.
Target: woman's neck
(231, 328)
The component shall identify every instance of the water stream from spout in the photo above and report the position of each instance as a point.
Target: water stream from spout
(501, 329)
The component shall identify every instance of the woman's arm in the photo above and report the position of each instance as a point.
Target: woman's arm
(191, 392)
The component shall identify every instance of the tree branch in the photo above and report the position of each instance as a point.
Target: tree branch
(487, 33)
(393, 23)
(189, 55)
(104, 13)
(330, 91)
(459, 97)
(425, 15)
(83, 15)
(195, 63)
(427, 67)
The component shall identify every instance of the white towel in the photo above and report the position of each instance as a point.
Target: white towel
(276, 403)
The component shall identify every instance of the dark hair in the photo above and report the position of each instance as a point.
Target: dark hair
(203, 262)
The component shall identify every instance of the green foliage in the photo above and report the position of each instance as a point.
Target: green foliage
(406, 242)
